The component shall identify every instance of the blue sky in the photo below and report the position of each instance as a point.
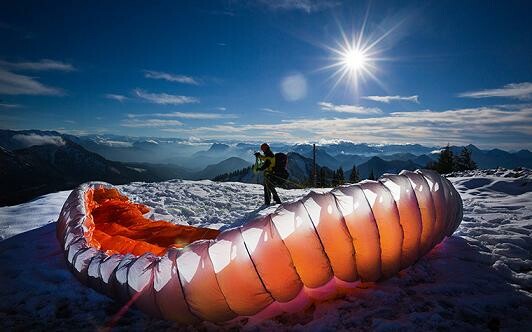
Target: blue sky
(439, 72)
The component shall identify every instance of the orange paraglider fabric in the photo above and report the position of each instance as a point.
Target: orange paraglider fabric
(309, 250)
(119, 226)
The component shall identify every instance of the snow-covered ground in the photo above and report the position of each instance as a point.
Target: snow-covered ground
(478, 279)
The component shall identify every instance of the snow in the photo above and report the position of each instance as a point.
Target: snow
(34, 214)
(478, 279)
(204, 203)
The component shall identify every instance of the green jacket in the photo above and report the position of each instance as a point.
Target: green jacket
(268, 162)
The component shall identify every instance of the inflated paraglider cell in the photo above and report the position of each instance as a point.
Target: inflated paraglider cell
(309, 250)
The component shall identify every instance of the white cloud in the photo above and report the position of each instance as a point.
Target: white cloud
(112, 96)
(308, 6)
(522, 91)
(34, 139)
(164, 98)
(158, 75)
(221, 108)
(489, 126)
(353, 109)
(270, 110)
(41, 65)
(294, 87)
(116, 144)
(388, 99)
(185, 115)
(150, 123)
(15, 84)
(5, 105)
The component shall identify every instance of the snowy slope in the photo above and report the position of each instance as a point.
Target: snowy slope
(478, 279)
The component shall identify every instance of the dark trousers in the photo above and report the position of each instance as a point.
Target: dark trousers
(269, 190)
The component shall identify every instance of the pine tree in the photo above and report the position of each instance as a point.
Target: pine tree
(354, 177)
(464, 161)
(341, 177)
(338, 177)
(445, 163)
(322, 178)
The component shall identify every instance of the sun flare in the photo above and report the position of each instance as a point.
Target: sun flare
(355, 57)
(354, 60)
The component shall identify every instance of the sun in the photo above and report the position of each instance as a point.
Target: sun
(355, 60)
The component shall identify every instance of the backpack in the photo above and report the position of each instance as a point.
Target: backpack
(281, 161)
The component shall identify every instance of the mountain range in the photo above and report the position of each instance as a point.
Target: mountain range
(34, 162)
(195, 154)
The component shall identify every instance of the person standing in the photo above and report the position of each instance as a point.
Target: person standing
(268, 165)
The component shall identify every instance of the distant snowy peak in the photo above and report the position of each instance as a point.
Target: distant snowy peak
(364, 149)
(106, 138)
